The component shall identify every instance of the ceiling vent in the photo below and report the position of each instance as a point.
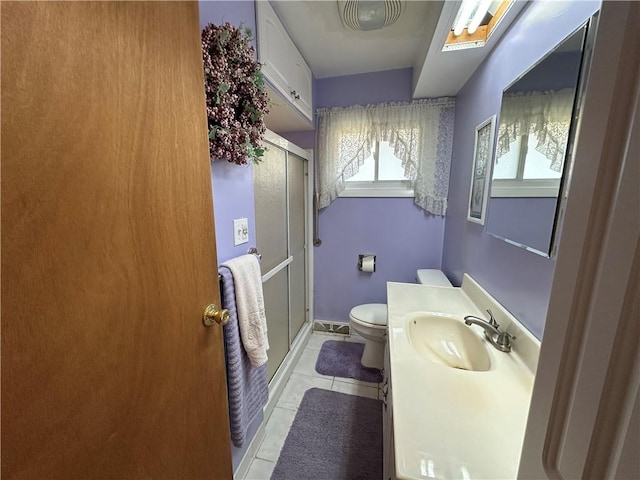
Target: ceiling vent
(369, 15)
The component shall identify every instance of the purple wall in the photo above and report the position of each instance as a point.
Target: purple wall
(397, 231)
(364, 88)
(400, 234)
(303, 139)
(520, 280)
(232, 184)
(233, 198)
(236, 12)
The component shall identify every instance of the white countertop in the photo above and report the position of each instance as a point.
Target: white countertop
(450, 423)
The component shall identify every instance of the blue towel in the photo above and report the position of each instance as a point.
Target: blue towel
(247, 385)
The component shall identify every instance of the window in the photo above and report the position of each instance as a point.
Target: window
(421, 133)
(381, 175)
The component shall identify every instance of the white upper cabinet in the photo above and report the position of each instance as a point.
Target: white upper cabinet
(282, 64)
(301, 80)
(274, 48)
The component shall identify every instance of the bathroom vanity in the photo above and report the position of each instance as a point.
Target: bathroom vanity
(454, 405)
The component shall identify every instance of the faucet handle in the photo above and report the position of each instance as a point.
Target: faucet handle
(503, 341)
(492, 320)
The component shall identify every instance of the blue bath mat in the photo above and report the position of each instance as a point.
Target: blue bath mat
(342, 359)
(334, 436)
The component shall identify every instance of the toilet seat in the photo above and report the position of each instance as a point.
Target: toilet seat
(372, 315)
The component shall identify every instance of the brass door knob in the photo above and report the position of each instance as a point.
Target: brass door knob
(213, 315)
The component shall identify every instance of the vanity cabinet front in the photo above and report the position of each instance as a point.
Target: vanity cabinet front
(282, 64)
(388, 459)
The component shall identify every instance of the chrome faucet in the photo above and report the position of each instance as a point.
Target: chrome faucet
(500, 340)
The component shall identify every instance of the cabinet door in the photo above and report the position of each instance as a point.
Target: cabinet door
(301, 84)
(274, 49)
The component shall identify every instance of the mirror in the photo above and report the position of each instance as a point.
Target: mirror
(531, 148)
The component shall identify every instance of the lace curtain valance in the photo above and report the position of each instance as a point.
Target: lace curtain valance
(545, 114)
(420, 132)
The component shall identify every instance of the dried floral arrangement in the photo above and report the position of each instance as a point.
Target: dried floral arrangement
(236, 97)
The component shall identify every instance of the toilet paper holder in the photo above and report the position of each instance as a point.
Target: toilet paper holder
(361, 260)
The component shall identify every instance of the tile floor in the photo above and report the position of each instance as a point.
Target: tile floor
(303, 377)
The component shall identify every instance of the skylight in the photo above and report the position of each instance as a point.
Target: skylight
(475, 21)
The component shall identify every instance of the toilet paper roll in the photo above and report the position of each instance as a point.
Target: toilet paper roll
(368, 264)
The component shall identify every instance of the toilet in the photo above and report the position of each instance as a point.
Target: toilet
(370, 320)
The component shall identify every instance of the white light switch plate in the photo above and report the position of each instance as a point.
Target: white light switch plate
(240, 231)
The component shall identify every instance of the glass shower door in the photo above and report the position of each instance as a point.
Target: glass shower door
(279, 192)
(270, 195)
(280, 203)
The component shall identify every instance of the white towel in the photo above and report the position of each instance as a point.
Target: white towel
(250, 304)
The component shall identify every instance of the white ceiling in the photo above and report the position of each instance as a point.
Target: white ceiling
(414, 41)
(332, 50)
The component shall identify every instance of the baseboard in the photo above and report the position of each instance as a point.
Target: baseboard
(276, 386)
(325, 326)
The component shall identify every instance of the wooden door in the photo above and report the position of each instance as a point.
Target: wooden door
(108, 247)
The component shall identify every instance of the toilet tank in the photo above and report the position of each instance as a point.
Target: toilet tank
(433, 277)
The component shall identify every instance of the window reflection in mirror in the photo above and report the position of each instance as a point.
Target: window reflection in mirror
(531, 147)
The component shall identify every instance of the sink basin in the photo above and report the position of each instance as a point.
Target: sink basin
(447, 341)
